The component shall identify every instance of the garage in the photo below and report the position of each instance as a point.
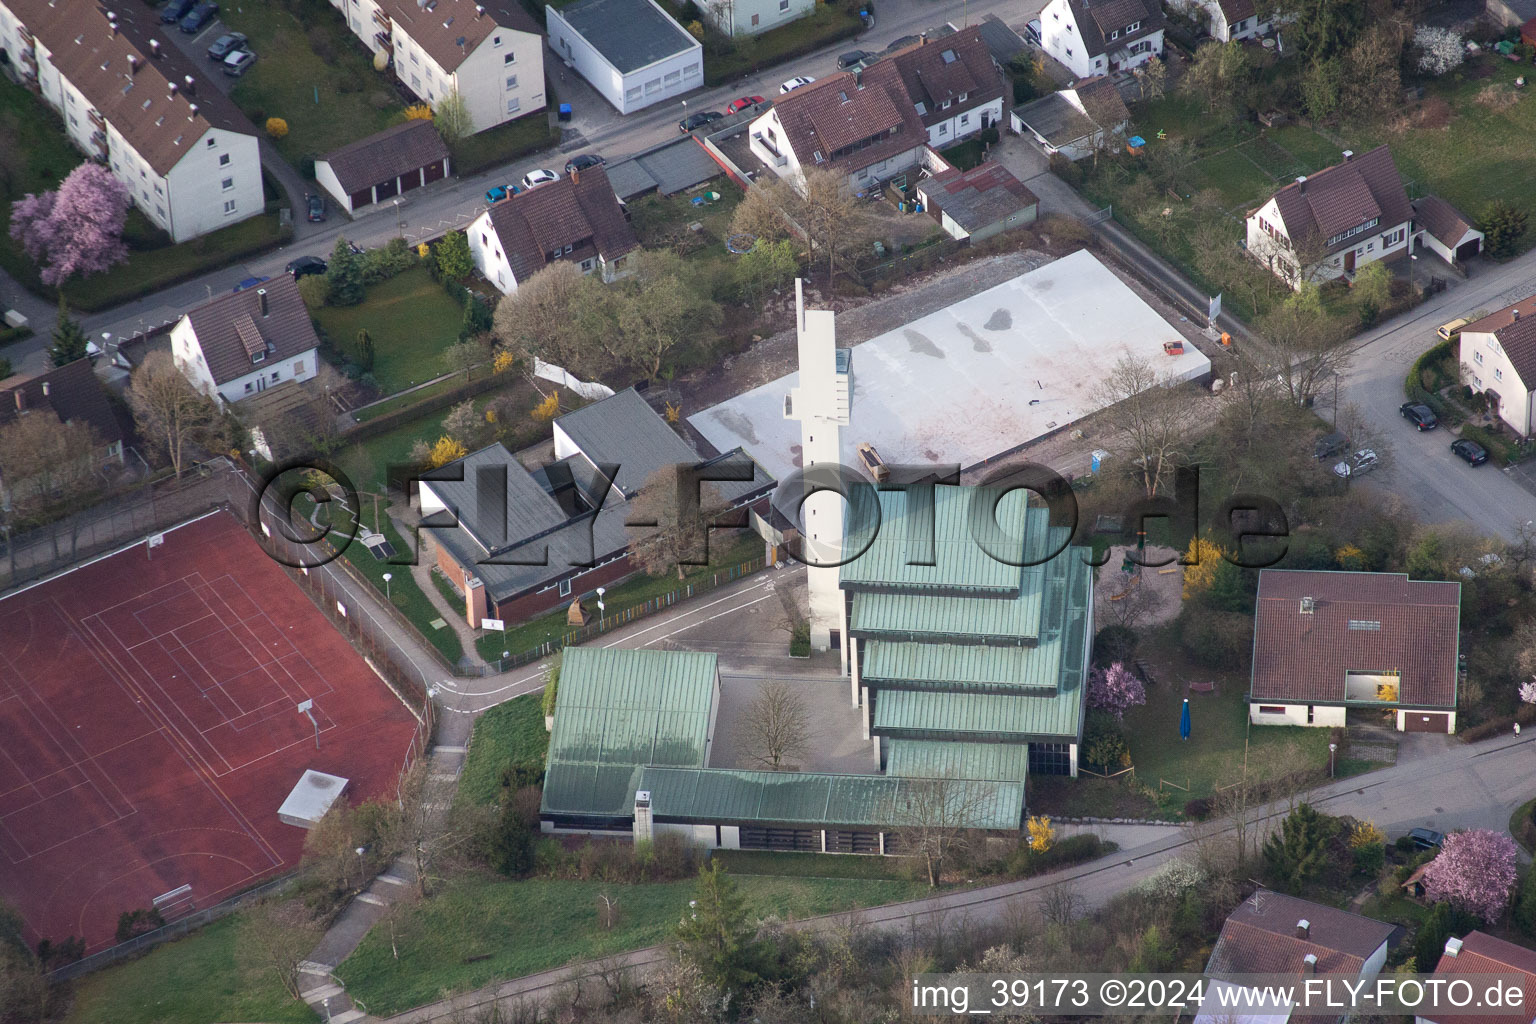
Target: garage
(1426, 721)
(376, 169)
(1467, 250)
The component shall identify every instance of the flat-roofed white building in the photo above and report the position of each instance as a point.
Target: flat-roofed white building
(632, 51)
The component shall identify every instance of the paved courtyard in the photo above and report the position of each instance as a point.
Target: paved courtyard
(974, 379)
(834, 740)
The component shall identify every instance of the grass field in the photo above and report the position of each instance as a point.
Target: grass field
(502, 144)
(327, 101)
(812, 865)
(411, 320)
(403, 592)
(523, 927)
(507, 734)
(190, 981)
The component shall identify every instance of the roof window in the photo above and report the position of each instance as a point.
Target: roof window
(949, 56)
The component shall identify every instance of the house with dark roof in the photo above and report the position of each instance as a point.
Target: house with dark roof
(1482, 954)
(977, 204)
(1099, 37)
(631, 51)
(1498, 358)
(386, 164)
(576, 218)
(241, 344)
(490, 53)
(875, 122)
(73, 394)
(1328, 642)
(1445, 230)
(1227, 20)
(1075, 121)
(1330, 224)
(133, 102)
(516, 543)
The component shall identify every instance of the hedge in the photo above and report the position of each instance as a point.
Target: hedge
(1413, 384)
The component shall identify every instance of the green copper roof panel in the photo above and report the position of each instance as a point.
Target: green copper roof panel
(590, 789)
(958, 667)
(902, 530)
(935, 759)
(633, 707)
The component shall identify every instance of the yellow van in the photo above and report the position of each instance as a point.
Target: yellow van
(1452, 330)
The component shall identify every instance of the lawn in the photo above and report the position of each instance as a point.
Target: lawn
(411, 320)
(319, 79)
(507, 734)
(966, 155)
(502, 144)
(191, 981)
(740, 57)
(483, 930)
(1235, 176)
(812, 865)
(660, 220)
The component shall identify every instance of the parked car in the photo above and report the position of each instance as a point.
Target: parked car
(1330, 444)
(854, 58)
(742, 103)
(175, 11)
(316, 207)
(533, 179)
(306, 265)
(1452, 330)
(1474, 453)
(226, 44)
(1032, 32)
(238, 63)
(699, 120)
(584, 161)
(1362, 462)
(198, 17)
(1421, 416)
(903, 43)
(250, 282)
(497, 193)
(795, 83)
(1426, 838)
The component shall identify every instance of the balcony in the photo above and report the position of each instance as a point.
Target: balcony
(382, 20)
(384, 42)
(24, 35)
(766, 151)
(96, 119)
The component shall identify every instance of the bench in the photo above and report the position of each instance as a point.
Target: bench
(1202, 687)
(1145, 671)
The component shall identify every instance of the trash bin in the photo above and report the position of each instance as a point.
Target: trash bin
(565, 111)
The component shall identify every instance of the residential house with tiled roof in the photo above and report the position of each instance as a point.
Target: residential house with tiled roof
(1330, 224)
(979, 203)
(1230, 19)
(1498, 358)
(876, 122)
(1328, 642)
(131, 101)
(1481, 954)
(1099, 37)
(72, 393)
(241, 344)
(1445, 230)
(576, 218)
(384, 165)
(1075, 121)
(490, 52)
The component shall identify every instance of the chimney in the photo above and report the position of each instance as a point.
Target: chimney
(261, 299)
(1348, 155)
(1303, 927)
(47, 385)
(172, 87)
(1301, 183)
(1452, 946)
(1514, 315)
(190, 90)
(154, 48)
(479, 12)
(643, 827)
(575, 175)
(191, 111)
(1309, 964)
(133, 65)
(21, 399)
(1307, 606)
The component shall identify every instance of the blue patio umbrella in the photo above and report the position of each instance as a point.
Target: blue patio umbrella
(1184, 721)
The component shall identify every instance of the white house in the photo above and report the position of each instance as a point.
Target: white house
(632, 51)
(1330, 224)
(1096, 37)
(386, 164)
(749, 17)
(1445, 230)
(576, 218)
(1229, 19)
(239, 345)
(1076, 121)
(132, 102)
(490, 52)
(1480, 954)
(1498, 358)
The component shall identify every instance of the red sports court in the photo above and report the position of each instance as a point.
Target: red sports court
(148, 709)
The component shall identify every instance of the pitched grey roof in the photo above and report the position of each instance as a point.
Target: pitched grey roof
(623, 429)
(1055, 120)
(630, 34)
(286, 328)
(386, 155)
(450, 30)
(72, 391)
(495, 499)
(1264, 939)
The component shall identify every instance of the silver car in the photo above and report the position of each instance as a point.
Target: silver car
(1363, 461)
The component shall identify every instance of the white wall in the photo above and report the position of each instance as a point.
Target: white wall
(198, 201)
(429, 501)
(1296, 714)
(1210, 11)
(188, 356)
(495, 91)
(663, 80)
(1370, 246)
(736, 17)
(490, 259)
(945, 132)
(270, 374)
(1486, 365)
(326, 179)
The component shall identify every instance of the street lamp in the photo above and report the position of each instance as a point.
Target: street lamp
(600, 606)
(399, 218)
(1331, 748)
(387, 578)
(1413, 270)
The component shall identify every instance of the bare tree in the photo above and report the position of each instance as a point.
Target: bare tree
(167, 407)
(934, 818)
(669, 521)
(274, 938)
(1305, 347)
(778, 725)
(1062, 903)
(557, 315)
(662, 306)
(1151, 416)
(45, 462)
(430, 831)
(822, 210)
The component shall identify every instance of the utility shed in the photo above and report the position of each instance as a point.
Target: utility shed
(309, 801)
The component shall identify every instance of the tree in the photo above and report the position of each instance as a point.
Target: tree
(275, 938)
(766, 267)
(429, 829)
(69, 340)
(1321, 29)
(826, 210)
(1502, 224)
(670, 521)
(77, 229)
(1443, 922)
(1115, 689)
(1304, 346)
(364, 353)
(662, 305)
(315, 290)
(1373, 285)
(451, 115)
(1152, 79)
(1170, 161)
(1220, 73)
(557, 315)
(1298, 853)
(454, 260)
(345, 275)
(1475, 871)
(1525, 903)
(778, 725)
(716, 936)
(1440, 49)
(45, 462)
(24, 988)
(933, 817)
(761, 211)
(168, 409)
(464, 357)
(464, 423)
(1150, 416)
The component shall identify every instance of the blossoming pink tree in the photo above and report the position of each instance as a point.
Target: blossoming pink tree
(1475, 870)
(1114, 689)
(77, 229)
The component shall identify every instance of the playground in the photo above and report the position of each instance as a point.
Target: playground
(1147, 596)
(149, 703)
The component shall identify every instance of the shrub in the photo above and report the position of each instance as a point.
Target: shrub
(277, 128)
(800, 641)
(1216, 639)
(315, 290)
(1198, 809)
(1066, 170)
(1024, 862)
(1104, 746)
(1114, 643)
(1370, 859)
(132, 923)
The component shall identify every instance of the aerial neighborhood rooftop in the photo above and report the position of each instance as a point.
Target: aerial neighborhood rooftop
(654, 511)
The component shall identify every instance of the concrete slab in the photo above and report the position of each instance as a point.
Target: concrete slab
(834, 740)
(977, 378)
